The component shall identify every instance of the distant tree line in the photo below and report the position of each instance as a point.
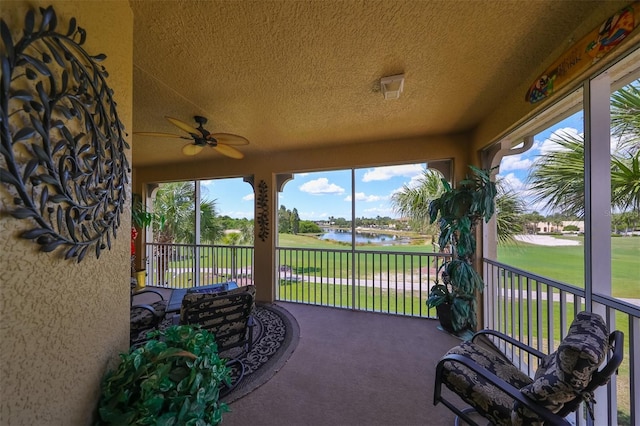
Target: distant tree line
(289, 223)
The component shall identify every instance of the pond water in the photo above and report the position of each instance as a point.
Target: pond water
(362, 237)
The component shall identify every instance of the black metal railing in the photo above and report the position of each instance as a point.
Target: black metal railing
(190, 265)
(369, 280)
(538, 311)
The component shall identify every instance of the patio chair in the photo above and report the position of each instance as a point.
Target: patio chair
(145, 316)
(228, 315)
(498, 390)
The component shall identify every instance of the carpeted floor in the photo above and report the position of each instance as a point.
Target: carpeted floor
(350, 369)
(275, 337)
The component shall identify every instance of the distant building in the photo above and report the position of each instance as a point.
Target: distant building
(546, 227)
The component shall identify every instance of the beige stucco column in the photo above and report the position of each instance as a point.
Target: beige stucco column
(265, 233)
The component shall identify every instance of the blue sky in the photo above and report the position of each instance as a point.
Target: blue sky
(319, 195)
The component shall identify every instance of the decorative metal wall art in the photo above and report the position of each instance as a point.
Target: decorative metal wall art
(63, 144)
(262, 206)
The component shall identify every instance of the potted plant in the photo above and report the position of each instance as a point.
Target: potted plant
(140, 220)
(459, 211)
(173, 379)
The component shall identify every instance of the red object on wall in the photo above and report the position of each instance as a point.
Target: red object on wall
(134, 235)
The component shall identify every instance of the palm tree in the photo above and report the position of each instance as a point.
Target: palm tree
(177, 202)
(625, 182)
(625, 116)
(413, 201)
(210, 227)
(557, 178)
(509, 210)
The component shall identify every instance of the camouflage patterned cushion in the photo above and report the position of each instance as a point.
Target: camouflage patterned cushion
(226, 314)
(563, 375)
(488, 400)
(143, 320)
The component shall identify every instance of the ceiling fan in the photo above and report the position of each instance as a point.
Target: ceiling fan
(201, 137)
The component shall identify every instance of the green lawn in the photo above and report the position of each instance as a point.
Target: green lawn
(367, 299)
(566, 263)
(563, 263)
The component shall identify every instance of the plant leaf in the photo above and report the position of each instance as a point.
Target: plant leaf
(34, 233)
(72, 26)
(37, 64)
(7, 177)
(6, 73)
(23, 213)
(52, 245)
(28, 23)
(6, 39)
(82, 253)
(24, 133)
(44, 196)
(22, 95)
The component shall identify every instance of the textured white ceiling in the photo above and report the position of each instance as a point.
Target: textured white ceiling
(292, 74)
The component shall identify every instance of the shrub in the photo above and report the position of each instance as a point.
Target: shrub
(174, 379)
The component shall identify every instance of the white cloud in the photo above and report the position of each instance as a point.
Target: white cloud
(238, 214)
(523, 191)
(511, 181)
(312, 215)
(249, 197)
(416, 181)
(387, 172)
(321, 186)
(515, 162)
(380, 211)
(548, 145)
(360, 196)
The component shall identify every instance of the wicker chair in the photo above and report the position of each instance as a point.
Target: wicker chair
(499, 391)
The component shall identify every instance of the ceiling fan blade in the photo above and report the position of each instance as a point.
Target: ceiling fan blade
(160, 135)
(184, 126)
(229, 139)
(229, 151)
(191, 149)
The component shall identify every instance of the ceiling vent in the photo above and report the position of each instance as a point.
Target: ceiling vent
(392, 86)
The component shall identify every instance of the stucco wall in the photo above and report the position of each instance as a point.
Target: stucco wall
(63, 323)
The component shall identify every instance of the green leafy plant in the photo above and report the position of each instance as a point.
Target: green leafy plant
(141, 218)
(459, 210)
(174, 379)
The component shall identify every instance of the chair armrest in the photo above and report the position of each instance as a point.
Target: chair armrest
(507, 388)
(148, 290)
(509, 340)
(144, 291)
(250, 324)
(147, 308)
(175, 319)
